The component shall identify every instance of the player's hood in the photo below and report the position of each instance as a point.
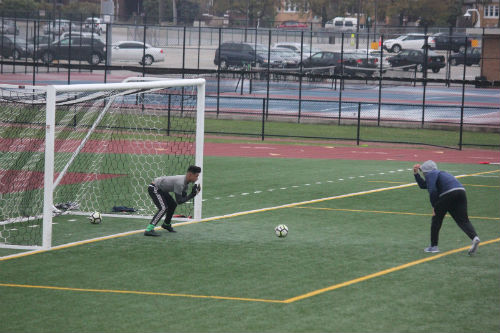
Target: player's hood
(428, 166)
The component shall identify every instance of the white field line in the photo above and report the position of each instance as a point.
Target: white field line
(209, 219)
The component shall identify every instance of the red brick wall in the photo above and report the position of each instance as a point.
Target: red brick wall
(490, 67)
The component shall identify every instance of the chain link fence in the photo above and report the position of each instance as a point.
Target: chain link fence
(360, 91)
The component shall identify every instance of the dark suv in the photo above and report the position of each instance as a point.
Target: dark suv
(88, 49)
(456, 43)
(241, 54)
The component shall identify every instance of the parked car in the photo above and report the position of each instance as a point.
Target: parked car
(409, 41)
(38, 42)
(59, 26)
(417, 57)
(92, 50)
(455, 42)
(342, 24)
(13, 47)
(8, 27)
(289, 58)
(374, 53)
(473, 57)
(241, 54)
(351, 64)
(94, 24)
(136, 52)
(295, 47)
(78, 34)
(293, 25)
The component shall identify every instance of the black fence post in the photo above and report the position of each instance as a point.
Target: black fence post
(424, 75)
(27, 21)
(263, 118)
(143, 47)
(359, 123)
(218, 72)
(183, 51)
(301, 73)
(341, 75)
(460, 140)
(80, 60)
(70, 38)
(268, 70)
(36, 26)
(199, 44)
(15, 42)
(448, 54)
(1, 42)
(380, 78)
(168, 116)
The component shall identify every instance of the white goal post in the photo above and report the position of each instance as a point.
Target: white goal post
(95, 138)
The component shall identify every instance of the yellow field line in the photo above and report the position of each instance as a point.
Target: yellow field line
(132, 292)
(381, 273)
(388, 212)
(245, 299)
(216, 218)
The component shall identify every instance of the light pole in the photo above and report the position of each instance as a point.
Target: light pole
(468, 15)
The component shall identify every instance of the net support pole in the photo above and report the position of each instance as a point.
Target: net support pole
(49, 166)
(200, 130)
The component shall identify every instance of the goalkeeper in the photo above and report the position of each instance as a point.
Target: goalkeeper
(159, 192)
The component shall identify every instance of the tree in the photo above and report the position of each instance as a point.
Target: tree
(262, 10)
(18, 8)
(185, 11)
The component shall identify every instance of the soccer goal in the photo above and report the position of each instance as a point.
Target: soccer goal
(77, 149)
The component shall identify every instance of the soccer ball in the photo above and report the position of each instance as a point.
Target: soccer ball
(95, 218)
(281, 230)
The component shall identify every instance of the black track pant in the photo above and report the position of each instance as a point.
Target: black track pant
(165, 204)
(456, 204)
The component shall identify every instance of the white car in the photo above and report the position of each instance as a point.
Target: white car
(94, 24)
(296, 48)
(131, 51)
(409, 41)
(290, 58)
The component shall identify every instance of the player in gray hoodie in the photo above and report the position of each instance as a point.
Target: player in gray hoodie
(447, 194)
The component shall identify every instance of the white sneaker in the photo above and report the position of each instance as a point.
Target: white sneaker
(431, 249)
(475, 244)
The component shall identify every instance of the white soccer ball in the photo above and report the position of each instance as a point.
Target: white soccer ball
(281, 230)
(95, 218)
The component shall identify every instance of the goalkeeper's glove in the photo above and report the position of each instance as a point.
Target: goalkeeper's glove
(195, 190)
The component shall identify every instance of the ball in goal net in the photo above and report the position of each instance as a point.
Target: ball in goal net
(82, 148)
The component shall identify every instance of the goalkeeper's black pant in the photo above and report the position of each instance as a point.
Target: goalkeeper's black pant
(164, 202)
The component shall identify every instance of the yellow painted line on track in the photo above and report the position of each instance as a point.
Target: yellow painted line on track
(217, 218)
(381, 273)
(132, 292)
(388, 212)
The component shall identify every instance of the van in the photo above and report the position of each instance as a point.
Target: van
(342, 24)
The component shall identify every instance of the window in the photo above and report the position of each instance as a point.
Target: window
(290, 7)
(317, 56)
(491, 11)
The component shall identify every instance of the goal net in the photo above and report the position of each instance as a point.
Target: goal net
(78, 149)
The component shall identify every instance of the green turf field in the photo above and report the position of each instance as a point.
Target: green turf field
(353, 260)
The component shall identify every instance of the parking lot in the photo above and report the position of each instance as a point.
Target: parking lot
(194, 48)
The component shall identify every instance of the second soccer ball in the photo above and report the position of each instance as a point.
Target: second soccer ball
(95, 218)
(281, 230)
